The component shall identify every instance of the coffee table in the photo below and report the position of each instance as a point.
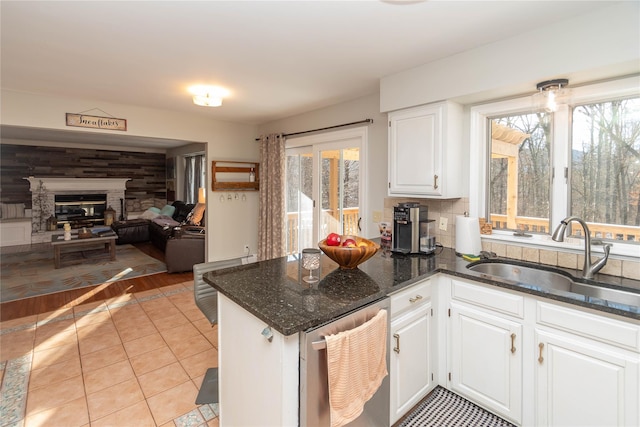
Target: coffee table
(76, 244)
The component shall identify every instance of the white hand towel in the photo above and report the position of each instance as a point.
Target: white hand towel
(356, 365)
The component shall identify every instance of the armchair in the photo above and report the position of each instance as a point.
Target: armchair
(185, 249)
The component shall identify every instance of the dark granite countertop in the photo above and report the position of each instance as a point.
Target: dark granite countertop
(274, 290)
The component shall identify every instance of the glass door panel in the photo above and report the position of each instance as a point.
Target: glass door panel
(323, 187)
(299, 200)
(339, 191)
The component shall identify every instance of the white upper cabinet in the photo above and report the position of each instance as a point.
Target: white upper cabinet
(425, 151)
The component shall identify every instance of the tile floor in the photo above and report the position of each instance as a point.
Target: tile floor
(136, 360)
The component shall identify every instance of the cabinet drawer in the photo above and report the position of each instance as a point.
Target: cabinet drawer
(481, 296)
(589, 325)
(412, 297)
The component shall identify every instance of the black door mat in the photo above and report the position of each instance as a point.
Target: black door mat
(444, 408)
(209, 389)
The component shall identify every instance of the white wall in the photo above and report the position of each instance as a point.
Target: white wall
(229, 227)
(600, 44)
(363, 108)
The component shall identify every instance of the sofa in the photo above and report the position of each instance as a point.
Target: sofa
(177, 230)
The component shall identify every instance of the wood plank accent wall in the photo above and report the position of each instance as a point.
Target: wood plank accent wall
(146, 170)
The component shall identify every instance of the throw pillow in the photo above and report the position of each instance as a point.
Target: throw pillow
(195, 216)
(150, 214)
(154, 209)
(12, 210)
(168, 210)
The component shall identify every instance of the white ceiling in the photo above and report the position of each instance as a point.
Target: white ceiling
(278, 58)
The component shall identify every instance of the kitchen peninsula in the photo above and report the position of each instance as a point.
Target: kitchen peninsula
(265, 307)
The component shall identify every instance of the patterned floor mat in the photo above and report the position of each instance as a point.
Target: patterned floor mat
(444, 408)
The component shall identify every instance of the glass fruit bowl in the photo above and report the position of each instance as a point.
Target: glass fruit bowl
(350, 257)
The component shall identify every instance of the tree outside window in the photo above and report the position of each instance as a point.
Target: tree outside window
(605, 166)
(520, 168)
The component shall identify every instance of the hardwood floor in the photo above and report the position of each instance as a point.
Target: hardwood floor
(46, 303)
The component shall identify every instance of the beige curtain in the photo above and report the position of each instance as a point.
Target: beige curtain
(271, 239)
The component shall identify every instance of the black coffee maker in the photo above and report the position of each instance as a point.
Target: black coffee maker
(410, 223)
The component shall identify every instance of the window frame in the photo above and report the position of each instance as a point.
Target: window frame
(560, 158)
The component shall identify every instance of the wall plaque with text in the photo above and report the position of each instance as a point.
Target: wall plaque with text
(96, 122)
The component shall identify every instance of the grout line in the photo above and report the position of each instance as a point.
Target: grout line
(15, 373)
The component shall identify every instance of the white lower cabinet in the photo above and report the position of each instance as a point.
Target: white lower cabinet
(539, 362)
(486, 360)
(258, 382)
(579, 379)
(411, 345)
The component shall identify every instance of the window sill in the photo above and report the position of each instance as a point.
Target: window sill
(620, 250)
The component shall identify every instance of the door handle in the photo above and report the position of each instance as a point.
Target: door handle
(513, 339)
(435, 182)
(359, 219)
(397, 347)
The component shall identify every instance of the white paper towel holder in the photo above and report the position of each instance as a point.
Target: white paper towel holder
(467, 235)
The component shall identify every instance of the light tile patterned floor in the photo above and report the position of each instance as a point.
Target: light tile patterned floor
(137, 360)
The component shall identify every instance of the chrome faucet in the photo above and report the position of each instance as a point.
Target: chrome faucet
(589, 269)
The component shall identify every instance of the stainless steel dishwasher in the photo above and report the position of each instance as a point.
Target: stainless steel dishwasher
(314, 391)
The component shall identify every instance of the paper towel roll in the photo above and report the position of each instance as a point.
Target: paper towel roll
(468, 235)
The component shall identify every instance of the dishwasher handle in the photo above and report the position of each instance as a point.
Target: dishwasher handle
(319, 345)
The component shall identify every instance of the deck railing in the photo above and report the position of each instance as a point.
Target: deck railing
(541, 225)
(295, 228)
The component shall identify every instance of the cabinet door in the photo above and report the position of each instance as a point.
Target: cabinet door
(486, 360)
(410, 362)
(415, 151)
(581, 383)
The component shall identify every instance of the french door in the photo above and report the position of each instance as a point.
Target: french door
(325, 179)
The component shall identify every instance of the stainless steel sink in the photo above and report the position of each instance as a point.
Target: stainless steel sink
(556, 282)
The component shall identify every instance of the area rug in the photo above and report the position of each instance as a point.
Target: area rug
(444, 408)
(29, 274)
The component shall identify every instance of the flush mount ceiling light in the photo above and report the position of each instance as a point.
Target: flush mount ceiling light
(551, 94)
(207, 100)
(208, 96)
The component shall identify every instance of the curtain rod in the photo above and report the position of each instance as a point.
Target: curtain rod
(327, 128)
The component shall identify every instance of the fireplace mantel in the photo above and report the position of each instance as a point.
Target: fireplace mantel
(57, 185)
(43, 203)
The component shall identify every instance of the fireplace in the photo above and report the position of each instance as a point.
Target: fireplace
(111, 191)
(80, 210)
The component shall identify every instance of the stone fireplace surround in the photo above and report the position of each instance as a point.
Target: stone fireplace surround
(114, 188)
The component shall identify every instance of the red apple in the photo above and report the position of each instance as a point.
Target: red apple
(333, 239)
(349, 243)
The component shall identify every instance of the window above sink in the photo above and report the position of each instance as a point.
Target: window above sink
(583, 159)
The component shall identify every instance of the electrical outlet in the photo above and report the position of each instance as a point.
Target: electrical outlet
(443, 223)
(377, 216)
(246, 249)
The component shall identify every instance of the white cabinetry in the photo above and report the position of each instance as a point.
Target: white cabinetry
(486, 348)
(589, 376)
(425, 151)
(255, 371)
(412, 347)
